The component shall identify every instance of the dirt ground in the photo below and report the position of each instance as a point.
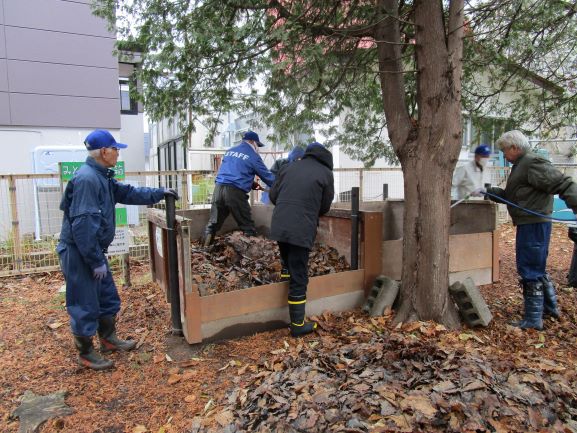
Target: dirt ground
(166, 386)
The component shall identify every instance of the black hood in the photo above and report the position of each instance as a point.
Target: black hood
(320, 153)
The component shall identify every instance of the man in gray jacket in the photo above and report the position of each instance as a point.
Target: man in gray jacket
(531, 185)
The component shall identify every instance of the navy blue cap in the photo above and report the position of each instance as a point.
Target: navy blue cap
(296, 153)
(251, 135)
(100, 138)
(483, 150)
(313, 145)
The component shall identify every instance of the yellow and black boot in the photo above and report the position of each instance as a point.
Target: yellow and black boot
(298, 325)
(285, 274)
(88, 357)
(108, 339)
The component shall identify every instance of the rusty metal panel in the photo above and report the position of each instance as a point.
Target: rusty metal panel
(191, 326)
(335, 230)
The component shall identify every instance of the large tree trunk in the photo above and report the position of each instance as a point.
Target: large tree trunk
(427, 148)
(425, 275)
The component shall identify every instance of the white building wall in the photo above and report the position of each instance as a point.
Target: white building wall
(132, 133)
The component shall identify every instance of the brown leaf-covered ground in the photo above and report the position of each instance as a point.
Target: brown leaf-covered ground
(358, 374)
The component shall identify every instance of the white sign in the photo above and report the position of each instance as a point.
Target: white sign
(159, 241)
(120, 243)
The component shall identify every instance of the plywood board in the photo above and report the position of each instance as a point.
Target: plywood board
(496, 260)
(479, 276)
(274, 318)
(466, 252)
(470, 251)
(371, 251)
(270, 296)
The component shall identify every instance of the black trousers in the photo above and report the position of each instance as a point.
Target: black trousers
(296, 260)
(226, 200)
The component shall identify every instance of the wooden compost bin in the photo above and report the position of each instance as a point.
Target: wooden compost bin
(258, 308)
(473, 240)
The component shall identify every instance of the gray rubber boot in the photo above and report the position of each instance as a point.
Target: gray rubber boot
(88, 357)
(550, 308)
(534, 300)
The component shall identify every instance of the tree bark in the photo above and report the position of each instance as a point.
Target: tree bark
(427, 147)
(425, 273)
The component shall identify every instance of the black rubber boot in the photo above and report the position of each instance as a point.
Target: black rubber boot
(298, 325)
(534, 297)
(88, 357)
(284, 274)
(109, 342)
(208, 239)
(572, 276)
(550, 308)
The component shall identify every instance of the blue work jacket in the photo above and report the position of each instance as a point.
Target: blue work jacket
(88, 204)
(239, 166)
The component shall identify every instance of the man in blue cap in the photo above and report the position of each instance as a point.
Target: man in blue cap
(234, 180)
(88, 228)
(295, 154)
(302, 193)
(473, 175)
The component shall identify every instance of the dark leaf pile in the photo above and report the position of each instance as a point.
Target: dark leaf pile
(235, 261)
(383, 379)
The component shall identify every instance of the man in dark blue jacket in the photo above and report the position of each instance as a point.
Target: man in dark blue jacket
(302, 193)
(234, 181)
(88, 228)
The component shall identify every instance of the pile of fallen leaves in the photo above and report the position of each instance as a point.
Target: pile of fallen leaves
(235, 261)
(412, 377)
(356, 374)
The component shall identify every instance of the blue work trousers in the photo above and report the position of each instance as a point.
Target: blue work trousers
(532, 249)
(87, 299)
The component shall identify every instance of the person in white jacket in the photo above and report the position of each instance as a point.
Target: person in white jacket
(473, 175)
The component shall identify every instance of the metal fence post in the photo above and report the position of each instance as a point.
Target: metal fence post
(354, 228)
(126, 269)
(184, 201)
(385, 191)
(172, 258)
(16, 241)
(361, 181)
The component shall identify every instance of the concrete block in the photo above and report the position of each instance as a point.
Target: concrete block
(472, 307)
(371, 298)
(383, 295)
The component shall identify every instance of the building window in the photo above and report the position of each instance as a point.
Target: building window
(484, 130)
(172, 156)
(128, 105)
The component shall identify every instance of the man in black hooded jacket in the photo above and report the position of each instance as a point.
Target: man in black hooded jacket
(303, 192)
